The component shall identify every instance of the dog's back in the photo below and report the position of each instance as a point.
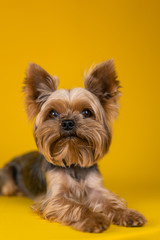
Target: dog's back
(24, 175)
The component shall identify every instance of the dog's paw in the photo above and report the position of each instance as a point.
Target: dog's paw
(93, 223)
(129, 218)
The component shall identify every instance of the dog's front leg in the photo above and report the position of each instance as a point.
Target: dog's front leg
(62, 204)
(102, 200)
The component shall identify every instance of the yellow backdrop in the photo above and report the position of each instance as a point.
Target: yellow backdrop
(65, 38)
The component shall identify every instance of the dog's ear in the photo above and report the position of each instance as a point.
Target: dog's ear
(102, 82)
(38, 86)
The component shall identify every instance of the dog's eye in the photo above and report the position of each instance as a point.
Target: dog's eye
(53, 114)
(86, 113)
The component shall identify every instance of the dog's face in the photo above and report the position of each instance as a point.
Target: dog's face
(72, 126)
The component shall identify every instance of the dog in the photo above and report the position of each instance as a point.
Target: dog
(73, 131)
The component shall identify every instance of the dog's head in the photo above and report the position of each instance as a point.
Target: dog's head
(72, 126)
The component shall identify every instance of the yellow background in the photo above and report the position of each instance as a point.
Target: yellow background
(65, 38)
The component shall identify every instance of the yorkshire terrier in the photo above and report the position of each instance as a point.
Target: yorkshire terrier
(73, 131)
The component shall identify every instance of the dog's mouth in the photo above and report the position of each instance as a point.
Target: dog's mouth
(69, 136)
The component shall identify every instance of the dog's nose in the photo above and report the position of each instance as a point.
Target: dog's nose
(68, 125)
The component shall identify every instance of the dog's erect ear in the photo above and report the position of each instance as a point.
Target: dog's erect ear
(101, 81)
(38, 86)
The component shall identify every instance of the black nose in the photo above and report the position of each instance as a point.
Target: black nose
(68, 125)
